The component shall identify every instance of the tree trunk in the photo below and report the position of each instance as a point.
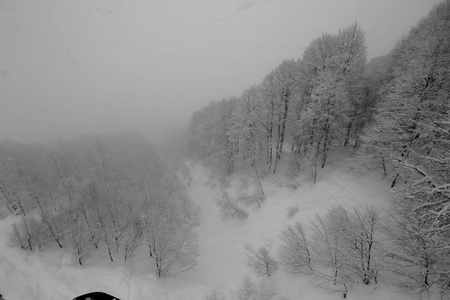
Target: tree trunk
(325, 144)
(282, 130)
(349, 127)
(383, 162)
(260, 185)
(316, 157)
(110, 254)
(395, 180)
(6, 196)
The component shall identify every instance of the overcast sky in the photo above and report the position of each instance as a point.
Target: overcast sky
(74, 66)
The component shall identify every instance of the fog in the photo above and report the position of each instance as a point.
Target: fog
(69, 67)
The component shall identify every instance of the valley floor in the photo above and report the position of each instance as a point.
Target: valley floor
(52, 274)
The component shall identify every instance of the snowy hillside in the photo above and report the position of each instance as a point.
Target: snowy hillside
(222, 262)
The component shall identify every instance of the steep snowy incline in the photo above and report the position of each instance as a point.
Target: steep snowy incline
(222, 261)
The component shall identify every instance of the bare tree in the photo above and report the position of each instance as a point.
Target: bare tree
(415, 253)
(330, 269)
(215, 295)
(264, 289)
(52, 220)
(295, 255)
(230, 208)
(79, 241)
(133, 237)
(261, 261)
(411, 131)
(29, 234)
(168, 230)
(338, 251)
(96, 196)
(174, 249)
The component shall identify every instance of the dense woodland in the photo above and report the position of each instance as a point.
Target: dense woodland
(393, 111)
(117, 193)
(99, 193)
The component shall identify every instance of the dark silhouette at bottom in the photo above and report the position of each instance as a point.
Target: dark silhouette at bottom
(96, 296)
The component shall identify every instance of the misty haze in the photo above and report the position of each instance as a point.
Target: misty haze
(224, 149)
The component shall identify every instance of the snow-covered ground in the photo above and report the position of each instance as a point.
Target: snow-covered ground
(221, 265)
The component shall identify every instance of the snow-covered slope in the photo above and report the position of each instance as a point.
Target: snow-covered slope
(221, 265)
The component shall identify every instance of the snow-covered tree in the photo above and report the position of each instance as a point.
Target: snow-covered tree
(261, 261)
(295, 255)
(133, 236)
(215, 295)
(358, 230)
(231, 208)
(79, 240)
(339, 249)
(211, 136)
(411, 132)
(53, 221)
(287, 77)
(246, 129)
(330, 65)
(29, 234)
(264, 289)
(99, 203)
(416, 255)
(330, 269)
(168, 227)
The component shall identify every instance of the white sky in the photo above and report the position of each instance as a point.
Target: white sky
(75, 66)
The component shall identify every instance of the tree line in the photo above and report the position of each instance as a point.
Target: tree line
(308, 106)
(394, 110)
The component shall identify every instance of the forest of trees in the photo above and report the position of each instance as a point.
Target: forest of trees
(99, 193)
(113, 194)
(307, 106)
(394, 111)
